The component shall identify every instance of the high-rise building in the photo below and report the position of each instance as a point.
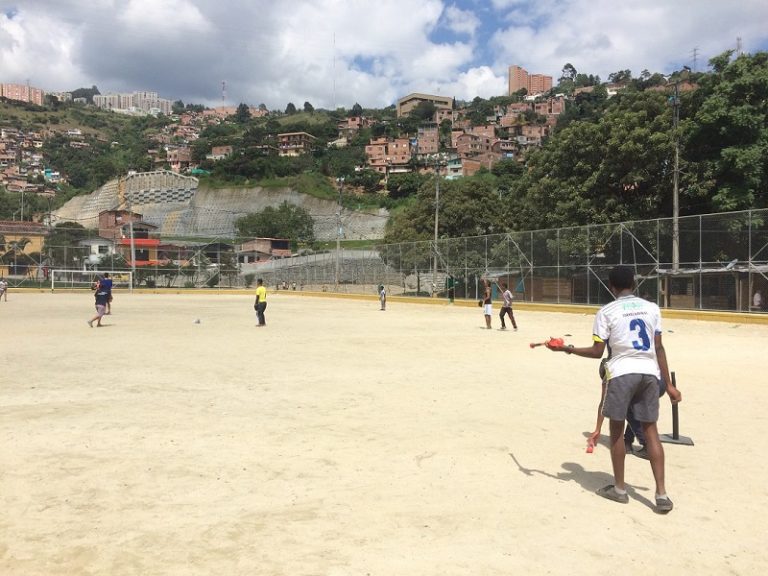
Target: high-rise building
(518, 79)
(533, 83)
(22, 93)
(539, 83)
(148, 102)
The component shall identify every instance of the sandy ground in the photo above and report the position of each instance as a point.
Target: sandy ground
(341, 440)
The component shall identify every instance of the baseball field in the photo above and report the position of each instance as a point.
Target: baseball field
(180, 439)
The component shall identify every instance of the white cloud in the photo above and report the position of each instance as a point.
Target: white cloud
(162, 16)
(36, 47)
(481, 81)
(603, 36)
(461, 21)
(340, 52)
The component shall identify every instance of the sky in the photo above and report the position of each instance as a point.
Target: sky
(335, 53)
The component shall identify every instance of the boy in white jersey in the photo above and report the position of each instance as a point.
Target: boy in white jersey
(631, 329)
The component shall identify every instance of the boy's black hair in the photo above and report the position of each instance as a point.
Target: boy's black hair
(622, 278)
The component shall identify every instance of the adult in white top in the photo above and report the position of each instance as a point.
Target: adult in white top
(630, 327)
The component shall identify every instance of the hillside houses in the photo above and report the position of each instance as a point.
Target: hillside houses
(507, 134)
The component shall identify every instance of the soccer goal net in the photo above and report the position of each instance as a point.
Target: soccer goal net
(85, 278)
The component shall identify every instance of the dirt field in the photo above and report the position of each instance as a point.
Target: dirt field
(341, 440)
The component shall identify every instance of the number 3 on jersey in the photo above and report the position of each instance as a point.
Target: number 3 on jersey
(644, 342)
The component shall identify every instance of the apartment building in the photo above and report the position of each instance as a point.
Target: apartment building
(386, 155)
(407, 103)
(351, 126)
(179, 158)
(519, 78)
(472, 145)
(22, 93)
(295, 143)
(428, 140)
(139, 101)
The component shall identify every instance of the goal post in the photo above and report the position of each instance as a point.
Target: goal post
(68, 279)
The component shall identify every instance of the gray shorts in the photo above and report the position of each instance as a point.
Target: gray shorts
(640, 391)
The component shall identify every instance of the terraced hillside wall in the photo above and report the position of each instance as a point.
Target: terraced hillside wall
(178, 207)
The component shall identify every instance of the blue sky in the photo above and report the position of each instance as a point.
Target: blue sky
(339, 52)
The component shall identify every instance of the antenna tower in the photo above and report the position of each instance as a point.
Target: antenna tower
(223, 92)
(738, 46)
(695, 53)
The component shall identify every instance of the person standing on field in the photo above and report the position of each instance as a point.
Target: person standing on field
(631, 329)
(106, 284)
(487, 303)
(506, 307)
(382, 297)
(261, 302)
(102, 298)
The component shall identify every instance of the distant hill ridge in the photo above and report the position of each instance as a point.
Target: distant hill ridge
(178, 207)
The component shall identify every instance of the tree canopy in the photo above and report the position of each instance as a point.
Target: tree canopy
(286, 221)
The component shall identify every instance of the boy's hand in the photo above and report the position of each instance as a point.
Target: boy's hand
(674, 394)
(555, 344)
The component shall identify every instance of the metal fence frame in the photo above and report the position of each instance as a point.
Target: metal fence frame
(723, 261)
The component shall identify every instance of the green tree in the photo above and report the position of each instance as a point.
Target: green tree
(468, 207)
(290, 108)
(620, 77)
(62, 244)
(405, 185)
(308, 107)
(424, 111)
(568, 73)
(725, 135)
(610, 170)
(286, 221)
(242, 114)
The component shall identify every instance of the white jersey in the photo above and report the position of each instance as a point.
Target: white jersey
(628, 326)
(507, 296)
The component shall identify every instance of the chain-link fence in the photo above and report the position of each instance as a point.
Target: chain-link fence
(722, 263)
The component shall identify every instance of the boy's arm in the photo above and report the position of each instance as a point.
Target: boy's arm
(594, 351)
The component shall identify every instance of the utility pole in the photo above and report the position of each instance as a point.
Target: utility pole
(437, 218)
(339, 230)
(124, 202)
(676, 181)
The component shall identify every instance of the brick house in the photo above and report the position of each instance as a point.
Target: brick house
(295, 143)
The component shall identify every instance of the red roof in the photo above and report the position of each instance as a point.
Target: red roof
(147, 242)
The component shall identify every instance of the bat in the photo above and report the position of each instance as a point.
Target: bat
(556, 342)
